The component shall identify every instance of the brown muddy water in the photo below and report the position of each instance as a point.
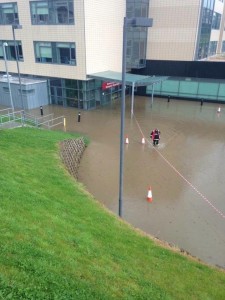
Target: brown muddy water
(185, 172)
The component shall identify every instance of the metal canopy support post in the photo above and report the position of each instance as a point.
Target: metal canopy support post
(7, 74)
(152, 93)
(132, 99)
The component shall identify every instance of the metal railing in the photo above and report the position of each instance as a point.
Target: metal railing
(36, 121)
(21, 117)
(8, 115)
(53, 122)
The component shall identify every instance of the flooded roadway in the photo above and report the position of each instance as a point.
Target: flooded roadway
(185, 172)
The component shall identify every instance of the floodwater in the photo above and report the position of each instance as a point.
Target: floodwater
(185, 172)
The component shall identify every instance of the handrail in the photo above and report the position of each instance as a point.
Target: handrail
(6, 109)
(43, 117)
(24, 117)
(47, 123)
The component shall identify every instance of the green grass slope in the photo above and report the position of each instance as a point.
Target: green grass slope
(57, 242)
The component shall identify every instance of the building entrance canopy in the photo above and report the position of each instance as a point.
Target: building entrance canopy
(130, 79)
(133, 80)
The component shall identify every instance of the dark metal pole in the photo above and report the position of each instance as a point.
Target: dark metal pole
(122, 118)
(79, 117)
(133, 22)
(17, 64)
(41, 110)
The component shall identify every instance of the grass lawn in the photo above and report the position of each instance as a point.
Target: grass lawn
(57, 242)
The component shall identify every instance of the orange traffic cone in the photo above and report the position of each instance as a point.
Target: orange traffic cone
(149, 197)
(143, 141)
(127, 140)
(219, 109)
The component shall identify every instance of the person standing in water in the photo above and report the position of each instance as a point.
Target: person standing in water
(155, 136)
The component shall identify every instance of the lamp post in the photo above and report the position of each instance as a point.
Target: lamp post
(7, 74)
(132, 22)
(17, 26)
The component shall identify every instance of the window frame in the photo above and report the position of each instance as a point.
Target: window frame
(54, 15)
(56, 55)
(11, 49)
(15, 14)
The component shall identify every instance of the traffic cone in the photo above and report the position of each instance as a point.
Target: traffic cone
(219, 109)
(149, 197)
(127, 140)
(143, 141)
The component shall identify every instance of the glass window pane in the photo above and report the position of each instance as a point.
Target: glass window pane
(46, 52)
(8, 10)
(42, 11)
(9, 13)
(63, 45)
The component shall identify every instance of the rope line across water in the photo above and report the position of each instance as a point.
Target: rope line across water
(188, 182)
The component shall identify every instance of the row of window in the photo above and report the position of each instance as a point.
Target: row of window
(42, 12)
(136, 36)
(205, 29)
(45, 52)
(211, 49)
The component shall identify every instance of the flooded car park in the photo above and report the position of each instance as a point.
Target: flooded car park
(185, 171)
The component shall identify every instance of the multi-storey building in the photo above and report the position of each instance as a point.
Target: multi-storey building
(185, 38)
(186, 30)
(65, 41)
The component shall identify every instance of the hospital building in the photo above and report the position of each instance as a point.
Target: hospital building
(57, 51)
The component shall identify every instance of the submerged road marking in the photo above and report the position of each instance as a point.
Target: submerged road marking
(188, 182)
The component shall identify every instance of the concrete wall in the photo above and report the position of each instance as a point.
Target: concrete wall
(104, 34)
(174, 32)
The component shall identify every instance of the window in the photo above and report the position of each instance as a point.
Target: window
(40, 13)
(65, 53)
(43, 52)
(205, 29)
(58, 53)
(1, 51)
(9, 13)
(216, 21)
(52, 12)
(223, 46)
(212, 48)
(64, 12)
(10, 50)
